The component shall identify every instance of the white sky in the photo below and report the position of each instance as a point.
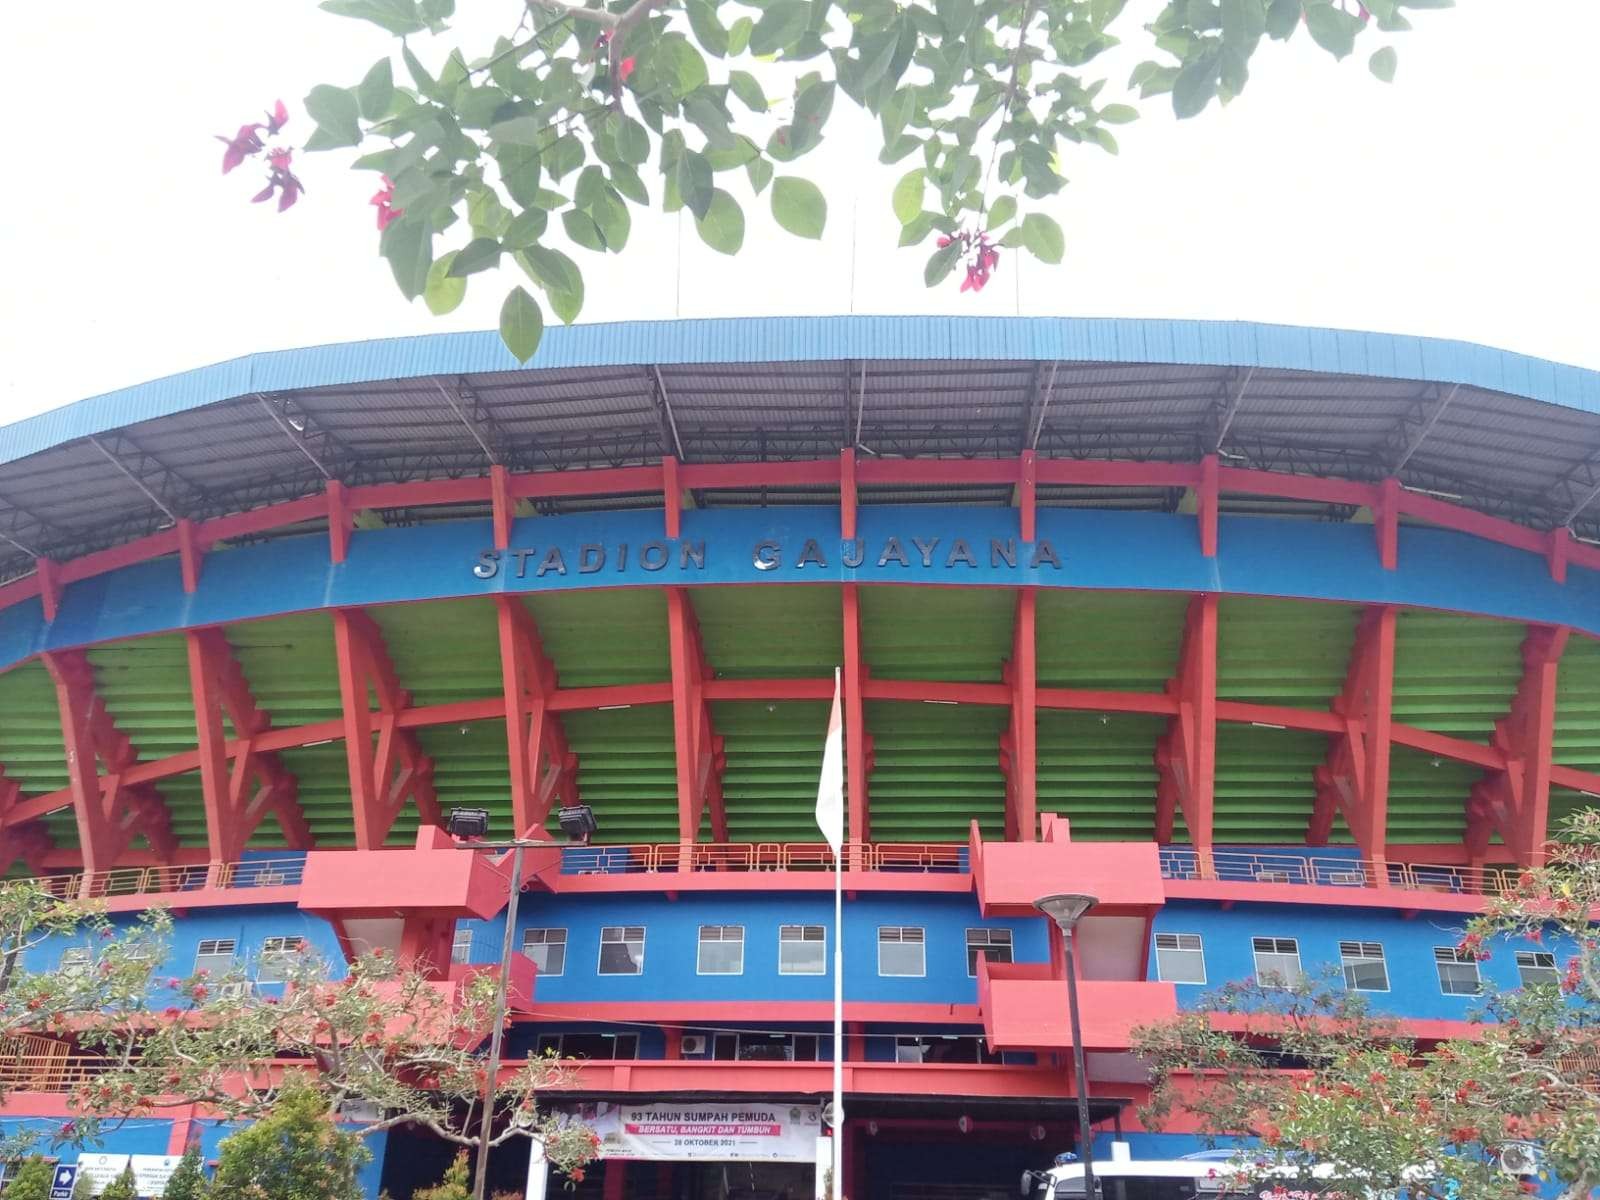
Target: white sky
(1457, 202)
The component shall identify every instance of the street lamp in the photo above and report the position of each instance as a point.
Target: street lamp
(469, 825)
(1066, 909)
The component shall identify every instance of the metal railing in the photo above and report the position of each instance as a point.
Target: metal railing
(146, 881)
(927, 858)
(1243, 866)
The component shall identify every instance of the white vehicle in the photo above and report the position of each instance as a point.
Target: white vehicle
(1205, 1176)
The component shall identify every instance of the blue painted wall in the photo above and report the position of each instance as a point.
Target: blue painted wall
(1095, 548)
(1407, 943)
(672, 941)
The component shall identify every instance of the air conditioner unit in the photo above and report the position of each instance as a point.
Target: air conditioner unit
(1519, 1158)
(236, 989)
(360, 1112)
(694, 1043)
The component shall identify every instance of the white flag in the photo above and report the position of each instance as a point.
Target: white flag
(830, 788)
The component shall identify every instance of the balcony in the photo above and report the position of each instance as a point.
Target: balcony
(1024, 1007)
(1250, 875)
(266, 880)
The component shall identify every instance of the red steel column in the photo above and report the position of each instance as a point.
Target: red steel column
(698, 749)
(857, 743)
(1354, 779)
(1186, 755)
(1019, 744)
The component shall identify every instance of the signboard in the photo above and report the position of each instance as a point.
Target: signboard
(66, 1178)
(101, 1169)
(713, 1132)
(151, 1172)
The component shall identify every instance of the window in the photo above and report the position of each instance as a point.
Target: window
(461, 946)
(1458, 972)
(993, 944)
(1364, 967)
(1180, 958)
(214, 956)
(276, 955)
(764, 1047)
(943, 1048)
(721, 950)
(548, 949)
(1537, 968)
(588, 1045)
(1277, 961)
(621, 949)
(802, 950)
(74, 961)
(901, 950)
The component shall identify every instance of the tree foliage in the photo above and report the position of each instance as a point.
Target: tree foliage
(188, 1180)
(1311, 1075)
(539, 146)
(123, 1187)
(32, 1180)
(293, 1152)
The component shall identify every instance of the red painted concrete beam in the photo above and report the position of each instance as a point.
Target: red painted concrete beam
(1354, 779)
(110, 811)
(699, 750)
(387, 766)
(857, 740)
(1186, 754)
(543, 768)
(1514, 801)
(1019, 744)
(240, 782)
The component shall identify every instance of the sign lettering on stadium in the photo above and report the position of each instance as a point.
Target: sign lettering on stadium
(770, 554)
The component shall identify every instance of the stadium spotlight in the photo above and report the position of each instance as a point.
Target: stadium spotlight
(467, 822)
(578, 822)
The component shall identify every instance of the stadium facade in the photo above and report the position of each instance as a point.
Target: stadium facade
(1280, 642)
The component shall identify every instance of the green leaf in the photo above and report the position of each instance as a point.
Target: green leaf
(941, 263)
(722, 228)
(1382, 64)
(426, 84)
(444, 291)
(526, 130)
(739, 35)
(526, 228)
(744, 85)
(708, 30)
(680, 66)
(521, 324)
(760, 172)
(1196, 85)
(408, 245)
(1002, 211)
(565, 155)
(1283, 18)
(780, 26)
(633, 140)
(811, 109)
(907, 197)
(918, 228)
(1043, 238)
(551, 269)
(581, 228)
(1243, 23)
(376, 92)
(487, 216)
(691, 177)
(1333, 30)
(611, 216)
(1119, 114)
(399, 17)
(626, 180)
(478, 255)
(798, 206)
(519, 171)
(337, 114)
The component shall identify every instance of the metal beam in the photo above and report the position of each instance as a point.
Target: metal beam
(134, 479)
(293, 434)
(542, 766)
(1423, 430)
(1230, 408)
(669, 422)
(1186, 755)
(1038, 406)
(477, 423)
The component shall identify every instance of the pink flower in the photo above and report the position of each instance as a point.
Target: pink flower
(240, 146)
(281, 180)
(624, 69)
(277, 119)
(383, 199)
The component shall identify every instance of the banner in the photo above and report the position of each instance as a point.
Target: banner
(150, 1171)
(101, 1169)
(713, 1132)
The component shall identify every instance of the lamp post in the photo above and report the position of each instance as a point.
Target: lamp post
(1066, 909)
(469, 825)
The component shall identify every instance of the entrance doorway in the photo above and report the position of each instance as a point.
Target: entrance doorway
(617, 1178)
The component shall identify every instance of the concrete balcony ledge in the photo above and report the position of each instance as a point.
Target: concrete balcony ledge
(1024, 1007)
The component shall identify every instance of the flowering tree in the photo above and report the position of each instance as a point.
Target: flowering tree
(1309, 1075)
(545, 138)
(380, 1047)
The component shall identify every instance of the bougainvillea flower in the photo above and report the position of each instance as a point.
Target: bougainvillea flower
(277, 118)
(383, 200)
(282, 181)
(624, 69)
(240, 146)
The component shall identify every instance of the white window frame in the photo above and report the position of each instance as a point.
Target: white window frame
(278, 948)
(1358, 952)
(528, 939)
(990, 937)
(1449, 956)
(1189, 944)
(460, 947)
(1529, 960)
(623, 939)
(213, 948)
(900, 939)
(1276, 950)
(802, 940)
(721, 938)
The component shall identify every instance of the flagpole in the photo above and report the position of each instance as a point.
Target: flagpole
(838, 1023)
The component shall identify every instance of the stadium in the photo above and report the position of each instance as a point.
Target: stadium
(1280, 643)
